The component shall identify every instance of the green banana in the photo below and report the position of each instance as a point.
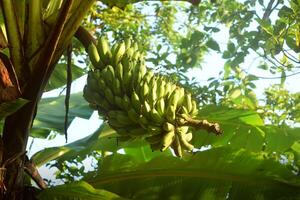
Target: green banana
(143, 121)
(109, 95)
(93, 54)
(126, 103)
(155, 116)
(104, 50)
(176, 146)
(154, 130)
(182, 139)
(154, 139)
(167, 140)
(171, 113)
(128, 43)
(137, 132)
(119, 102)
(118, 53)
(188, 102)
(135, 101)
(117, 87)
(160, 106)
(168, 127)
(119, 71)
(194, 110)
(133, 115)
(88, 95)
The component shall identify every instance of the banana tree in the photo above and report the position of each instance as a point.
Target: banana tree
(34, 34)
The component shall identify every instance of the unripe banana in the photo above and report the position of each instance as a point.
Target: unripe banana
(168, 127)
(176, 146)
(93, 55)
(174, 98)
(101, 85)
(117, 87)
(171, 113)
(116, 124)
(140, 132)
(188, 102)
(128, 43)
(167, 140)
(129, 52)
(189, 137)
(111, 73)
(126, 103)
(135, 101)
(154, 130)
(118, 53)
(122, 131)
(119, 102)
(154, 139)
(146, 109)
(143, 121)
(148, 76)
(104, 50)
(119, 71)
(152, 94)
(144, 90)
(133, 115)
(160, 106)
(161, 89)
(136, 55)
(194, 110)
(135, 46)
(184, 110)
(109, 95)
(88, 95)
(101, 102)
(182, 138)
(182, 129)
(92, 82)
(155, 116)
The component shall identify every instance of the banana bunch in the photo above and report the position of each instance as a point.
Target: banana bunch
(135, 101)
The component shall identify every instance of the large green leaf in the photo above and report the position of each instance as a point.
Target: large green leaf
(7, 108)
(79, 191)
(241, 128)
(59, 76)
(219, 173)
(102, 139)
(105, 139)
(244, 129)
(51, 114)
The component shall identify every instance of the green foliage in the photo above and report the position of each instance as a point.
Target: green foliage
(59, 76)
(51, 114)
(79, 190)
(237, 174)
(257, 157)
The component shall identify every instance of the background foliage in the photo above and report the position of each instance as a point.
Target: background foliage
(257, 157)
